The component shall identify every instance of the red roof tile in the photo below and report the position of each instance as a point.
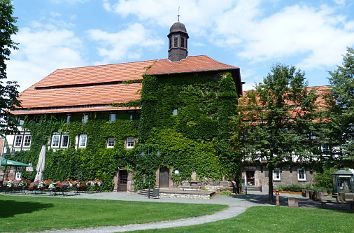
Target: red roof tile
(188, 65)
(74, 88)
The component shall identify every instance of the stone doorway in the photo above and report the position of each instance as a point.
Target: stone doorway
(250, 178)
(164, 177)
(122, 180)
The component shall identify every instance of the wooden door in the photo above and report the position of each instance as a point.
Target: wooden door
(122, 180)
(164, 177)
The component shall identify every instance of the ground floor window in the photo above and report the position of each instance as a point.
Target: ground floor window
(276, 175)
(301, 175)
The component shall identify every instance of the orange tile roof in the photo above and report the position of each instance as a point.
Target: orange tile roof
(188, 65)
(70, 90)
(78, 96)
(91, 75)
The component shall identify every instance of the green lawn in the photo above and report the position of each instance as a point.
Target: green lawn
(24, 213)
(277, 219)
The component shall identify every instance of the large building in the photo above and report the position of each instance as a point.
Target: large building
(96, 115)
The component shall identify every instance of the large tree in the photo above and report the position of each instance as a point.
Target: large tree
(341, 114)
(8, 89)
(276, 120)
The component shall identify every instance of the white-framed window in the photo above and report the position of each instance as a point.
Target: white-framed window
(301, 174)
(111, 142)
(276, 175)
(84, 119)
(55, 141)
(130, 143)
(59, 141)
(82, 141)
(27, 141)
(18, 141)
(64, 141)
(112, 117)
(174, 112)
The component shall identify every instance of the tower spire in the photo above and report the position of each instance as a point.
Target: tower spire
(178, 15)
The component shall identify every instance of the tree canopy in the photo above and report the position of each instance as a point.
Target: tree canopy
(8, 89)
(277, 119)
(341, 113)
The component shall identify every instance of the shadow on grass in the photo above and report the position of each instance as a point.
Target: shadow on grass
(10, 208)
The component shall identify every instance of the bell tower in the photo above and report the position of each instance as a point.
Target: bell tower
(178, 42)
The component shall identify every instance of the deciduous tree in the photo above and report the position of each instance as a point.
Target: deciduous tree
(8, 89)
(276, 120)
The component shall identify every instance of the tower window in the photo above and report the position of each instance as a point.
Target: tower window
(182, 42)
(170, 43)
(175, 41)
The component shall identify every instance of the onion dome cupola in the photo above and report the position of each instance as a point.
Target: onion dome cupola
(178, 42)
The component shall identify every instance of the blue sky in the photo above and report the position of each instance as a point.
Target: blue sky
(251, 34)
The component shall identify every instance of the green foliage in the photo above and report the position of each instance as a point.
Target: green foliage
(291, 187)
(198, 137)
(93, 162)
(325, 179)
(276, 118)
(8, 90)
(341, 129)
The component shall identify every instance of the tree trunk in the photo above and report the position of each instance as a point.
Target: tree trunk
(270, 178)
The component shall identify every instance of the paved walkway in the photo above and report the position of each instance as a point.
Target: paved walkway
(236, 207)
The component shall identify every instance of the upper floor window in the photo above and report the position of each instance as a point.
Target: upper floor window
(85, 118)
(111, 142)
(130, 143)
(18, 140)
(22, 141)
(27, 141)
(301, 175)
(276, 175)
(59, 141)
(112, 117)
(82, 141)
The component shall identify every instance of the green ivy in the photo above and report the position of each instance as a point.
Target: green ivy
(197, 139)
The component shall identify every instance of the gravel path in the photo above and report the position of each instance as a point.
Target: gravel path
(236, 207)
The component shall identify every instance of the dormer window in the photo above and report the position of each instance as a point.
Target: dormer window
(84, 118)
(112, 117)
(68, 118)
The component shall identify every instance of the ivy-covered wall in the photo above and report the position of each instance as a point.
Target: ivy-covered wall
(93, 162)
(197, 139)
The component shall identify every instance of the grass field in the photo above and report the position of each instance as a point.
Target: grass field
(24, 213)
(276, 219)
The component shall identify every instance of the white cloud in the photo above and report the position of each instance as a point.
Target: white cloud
(319, 35)
(42, 49)
(126, 44)
(340, 2)
(71, 2)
